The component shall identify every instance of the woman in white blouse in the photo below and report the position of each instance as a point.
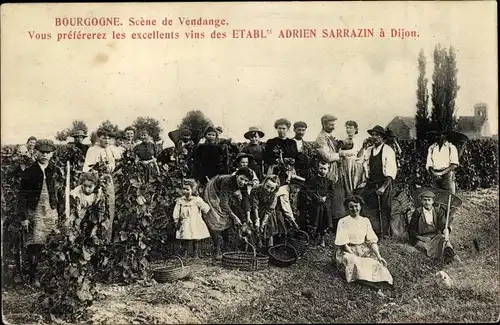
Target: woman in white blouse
(357, 251)
(351, 163)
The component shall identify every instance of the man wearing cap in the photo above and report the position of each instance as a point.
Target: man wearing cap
(102, 159)
(38, 203)
(428, 231)
(77, 157)
(328, 150)
(381, 169)
(78, 136)
(256, 149)
(302, 167)
(442, 160)
(304, 149)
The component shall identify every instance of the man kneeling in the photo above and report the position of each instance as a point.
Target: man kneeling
(428, 230)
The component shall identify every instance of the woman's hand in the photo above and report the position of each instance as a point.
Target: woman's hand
(249, 221)
(25, 225)
(446, 234)
(380, 190)
(237, 221)
(381, 260)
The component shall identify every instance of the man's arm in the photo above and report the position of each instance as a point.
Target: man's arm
(429, 164)
(324, 150)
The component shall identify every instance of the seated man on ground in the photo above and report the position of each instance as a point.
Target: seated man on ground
(428, 230)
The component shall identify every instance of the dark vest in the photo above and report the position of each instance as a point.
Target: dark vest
(376, 167)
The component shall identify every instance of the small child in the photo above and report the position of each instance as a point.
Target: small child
(188, 212)
(185, 145)
(263, 201)
(320, 190)
(84, 197)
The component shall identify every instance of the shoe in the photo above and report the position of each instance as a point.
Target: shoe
(456, 259)
(218, 254)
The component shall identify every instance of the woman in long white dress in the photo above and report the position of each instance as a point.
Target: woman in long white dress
(357, 250)
(351, 163)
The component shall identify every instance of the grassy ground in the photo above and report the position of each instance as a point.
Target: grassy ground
(312, 291)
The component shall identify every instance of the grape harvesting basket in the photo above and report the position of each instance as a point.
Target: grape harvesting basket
(283, 255)
(299, 240)
(171, 272)
(245, 261)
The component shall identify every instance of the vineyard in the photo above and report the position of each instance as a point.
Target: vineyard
(80, 271)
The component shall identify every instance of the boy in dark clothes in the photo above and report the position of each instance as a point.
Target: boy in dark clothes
(320, 190)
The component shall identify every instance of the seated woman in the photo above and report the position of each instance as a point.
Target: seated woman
(428, 232)
(357, 254)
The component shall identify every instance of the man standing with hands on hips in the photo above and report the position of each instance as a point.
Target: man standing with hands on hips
(442, 160)
(381, 168)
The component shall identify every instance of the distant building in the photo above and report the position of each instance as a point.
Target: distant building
(404, 127)
(474, 127)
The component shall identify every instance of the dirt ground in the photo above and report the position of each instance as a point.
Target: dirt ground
(313, 291)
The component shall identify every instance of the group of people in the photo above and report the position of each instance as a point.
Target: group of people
(274, 188)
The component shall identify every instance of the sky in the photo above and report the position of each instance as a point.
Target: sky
(238, 83)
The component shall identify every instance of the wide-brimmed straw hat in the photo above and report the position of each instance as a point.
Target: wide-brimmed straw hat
(252, 130)
(377, 129)
(79, 133)
(451, 135)
(44, 145)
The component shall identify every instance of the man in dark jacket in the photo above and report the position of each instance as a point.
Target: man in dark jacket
(37, 204)
(428, 230)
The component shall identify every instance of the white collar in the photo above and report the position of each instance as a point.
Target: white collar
(43, 166)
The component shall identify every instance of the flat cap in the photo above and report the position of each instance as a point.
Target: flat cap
(300, 124)
(428, 194)
(45, 145)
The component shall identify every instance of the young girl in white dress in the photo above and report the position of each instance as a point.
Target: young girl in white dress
(188, 217)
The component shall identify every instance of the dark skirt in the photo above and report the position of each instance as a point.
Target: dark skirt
(337, 201)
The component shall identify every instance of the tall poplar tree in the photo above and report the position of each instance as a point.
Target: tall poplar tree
(422, 114)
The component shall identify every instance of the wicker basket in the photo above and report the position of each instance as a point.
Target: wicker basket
(282, 255)
(299, 240)
(245, 261)
(170, 273)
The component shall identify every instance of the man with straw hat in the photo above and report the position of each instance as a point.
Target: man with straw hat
(37, 204)
(381, 169)
(256, 149)
(430, 228)
(442, 160)
(78, 136)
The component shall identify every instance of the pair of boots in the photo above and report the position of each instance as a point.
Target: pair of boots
(191, 249)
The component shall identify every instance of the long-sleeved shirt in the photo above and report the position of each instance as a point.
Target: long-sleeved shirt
(327, 149)
(96, 154)
(389, 164)
(441, 158)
